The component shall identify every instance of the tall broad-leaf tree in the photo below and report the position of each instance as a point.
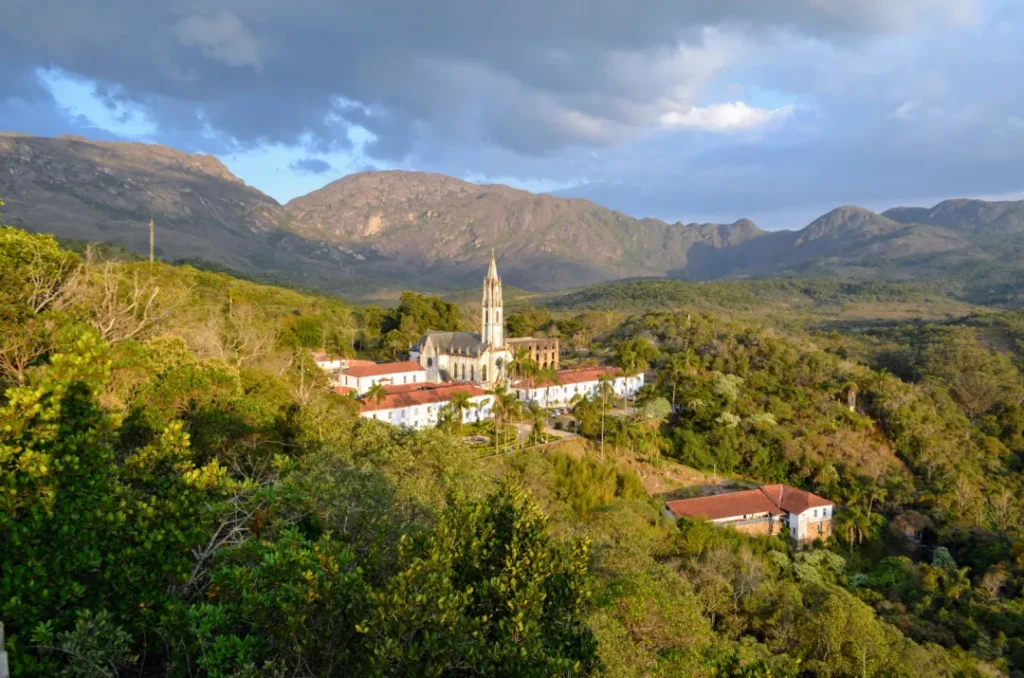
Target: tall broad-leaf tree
(86, 527)
(488, 594)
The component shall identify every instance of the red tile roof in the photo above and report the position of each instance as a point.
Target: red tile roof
(377, 369)
(441, 394)
(580, 376)
(342, 390)
(792, 500)
(731, 505)
(353, 362)
(419, 386)
(773, 499)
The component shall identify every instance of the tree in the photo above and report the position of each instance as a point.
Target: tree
(635, 355)
(976, 378)
(86, 527)
(519, 325)
(488, 594)
(35, 271)
(376, 393)
(657, 409)
(606, 390)
(680, 365)
(522, 365)
(538, 415)
(549, 377)
(460, 403)
(855, 524)
(506, 408)
(396, 344)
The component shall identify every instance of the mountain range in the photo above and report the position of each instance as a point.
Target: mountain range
(377, 231)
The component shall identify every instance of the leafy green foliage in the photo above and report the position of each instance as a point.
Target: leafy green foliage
(179, 493)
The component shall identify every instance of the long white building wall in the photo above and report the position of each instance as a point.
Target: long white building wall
(426, 416)
(561, 395)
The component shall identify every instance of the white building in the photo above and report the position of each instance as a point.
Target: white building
(421, 408)
(360, 378)
(809, 516)
(328, 362)
(559, 392)
(764, 510)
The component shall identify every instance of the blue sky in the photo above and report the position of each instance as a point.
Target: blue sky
(777, 110)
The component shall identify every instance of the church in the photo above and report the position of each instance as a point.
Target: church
(481, 358)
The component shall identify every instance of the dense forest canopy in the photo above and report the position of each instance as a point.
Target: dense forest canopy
(180, 494)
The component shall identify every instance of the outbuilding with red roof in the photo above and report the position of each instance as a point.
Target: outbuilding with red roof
(763, 511)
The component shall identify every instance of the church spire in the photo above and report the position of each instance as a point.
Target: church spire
(492, 272)
(493, 330)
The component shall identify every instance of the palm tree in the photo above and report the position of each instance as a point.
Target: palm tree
(955, 581)
(460, 403)
(521, 356)
(498, 410)
(538, 414)
(376, 393)
(679, 366)
(856, 524)
(605, 389)
(447, 419)
(549, 377)
(505, 408)
(582, 409)
(513, 411)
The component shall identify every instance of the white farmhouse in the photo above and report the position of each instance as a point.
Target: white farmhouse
(568, 384)
(420, 408)
(764, 510)
(360, 378)
(809, 516)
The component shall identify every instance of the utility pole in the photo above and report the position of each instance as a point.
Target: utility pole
(151, 238)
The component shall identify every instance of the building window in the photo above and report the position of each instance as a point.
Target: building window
(472, 372)
(815, 513)
(483, 373)
(430, 362)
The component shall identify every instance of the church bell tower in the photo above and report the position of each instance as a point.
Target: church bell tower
(493, 333)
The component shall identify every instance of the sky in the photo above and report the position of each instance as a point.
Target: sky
(775, 110)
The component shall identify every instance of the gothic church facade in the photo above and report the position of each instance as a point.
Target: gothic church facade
(480, 358)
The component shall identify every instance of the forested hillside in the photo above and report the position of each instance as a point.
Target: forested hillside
(181, 495)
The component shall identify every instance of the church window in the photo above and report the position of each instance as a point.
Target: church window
(472, 373)
(430, 362)
(483, 373)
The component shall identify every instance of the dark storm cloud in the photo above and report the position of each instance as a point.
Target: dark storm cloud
(532, 76)
(890, 98)
(311, 166)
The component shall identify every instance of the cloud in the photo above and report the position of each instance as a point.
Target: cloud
(728, 107)
(534, 76)
(727, 117)
(221, 36)
(311, 166)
